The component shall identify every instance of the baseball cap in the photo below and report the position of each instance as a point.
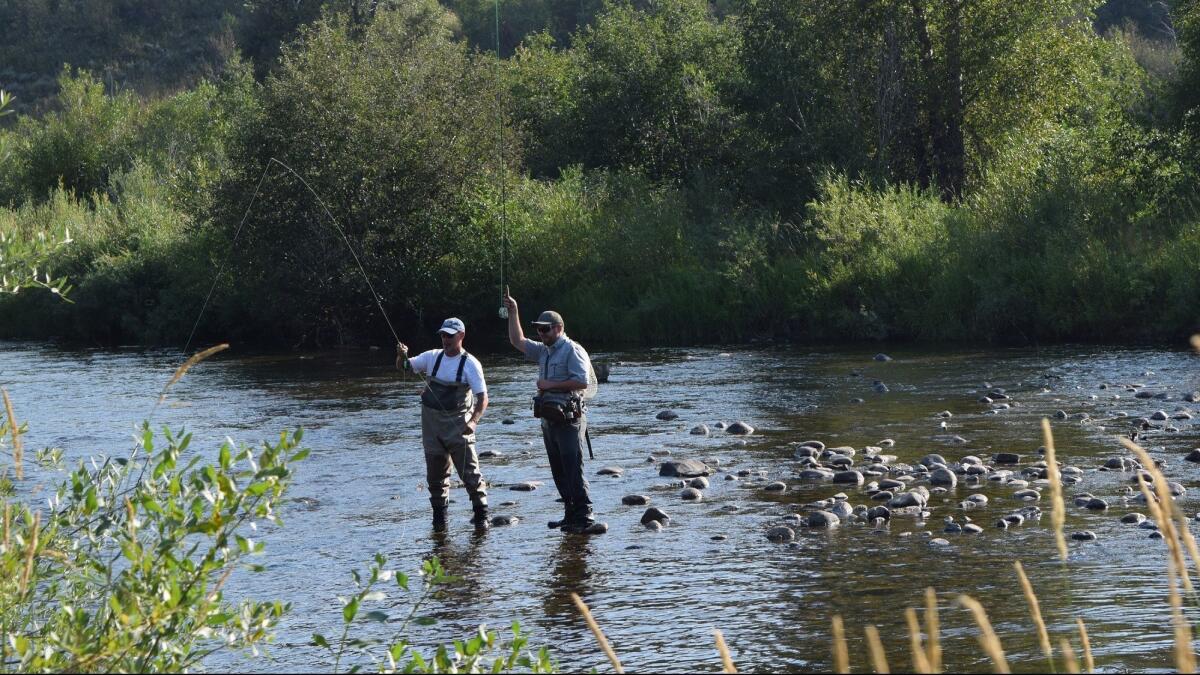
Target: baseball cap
(452, 326)
(549, 318)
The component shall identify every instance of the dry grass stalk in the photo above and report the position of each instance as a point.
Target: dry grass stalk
(7, 515)
(933, 631)
(1196, 342)
(31, 552)
(920, 659)
(841, 656)
(1164, 509)
(726, 660)
(187, 365)
(1088, 664)
(1069, 661)
(587, 616)
(1035, 611)
(15, 432)
(1058, 509)
(875, 646)
(987, 636)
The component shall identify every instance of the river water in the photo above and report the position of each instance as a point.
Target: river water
(659, 595)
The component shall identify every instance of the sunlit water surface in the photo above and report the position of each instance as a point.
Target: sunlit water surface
(659, 595)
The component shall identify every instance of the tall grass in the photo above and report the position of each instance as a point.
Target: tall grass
(1035, 612)
(1058, 509)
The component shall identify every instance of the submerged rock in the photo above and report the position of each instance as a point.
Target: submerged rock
(655, 514)
(610, 471)
(635, 500)
(1085, 535)
(777, 486)
(691, 495)
(699, 430)
(740, 428)
(781, 534)
(823, 519)
(685, 468)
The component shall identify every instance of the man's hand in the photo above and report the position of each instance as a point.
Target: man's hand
(471, 426)
(401, 349)
(510, 303)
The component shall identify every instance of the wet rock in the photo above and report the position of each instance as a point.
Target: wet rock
(857, 400)
(655, 514)
(685, 468)
(1176, 489)
(691, 495)
(986, 400)
(883, 496)
(508, 420)
(1144, 394)
(908, 499)
(699, 430)
(891, 484)
(740, 428)
(1002, 524)
(840, 461)
(1193, 456)
(806, 452)
(667, 415)
(1060, 414)
(503, 521)
(1014, 519)
(929, 460)
(1133, 518)
(879, 512)
(1182, 415)
(815, 475)
(848, 477)
(720, 426)
(652, 525)
(610, 471)
(1027, 495)
(939, 542)
(1085, 535)
(635, 500)
(776, 486)
(781, 534)
(484, 454)
(978, 499)
(529, 486)
(971, 528)
(882, 357)
(1006, 458)
(1156, 535)
(1192, 397)
(945, 414)
(1159, 416)
(944, 477)
(699, 482)
(842, 510)
(815, 445)
(1096, 504)
(824, 519)
(596, 528)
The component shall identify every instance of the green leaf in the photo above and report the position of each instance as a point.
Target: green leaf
(319, 640)
(376, 615)
(350, 610)
(425, 621)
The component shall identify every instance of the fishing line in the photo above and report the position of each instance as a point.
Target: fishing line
(503, 312)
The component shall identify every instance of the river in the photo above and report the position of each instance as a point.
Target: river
(659, 595)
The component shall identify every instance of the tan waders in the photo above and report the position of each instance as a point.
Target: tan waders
(445, 409)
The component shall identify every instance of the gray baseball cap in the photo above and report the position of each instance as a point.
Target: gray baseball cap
(452, 326)
(549, 318)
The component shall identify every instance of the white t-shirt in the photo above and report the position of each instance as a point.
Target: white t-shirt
(472, 372)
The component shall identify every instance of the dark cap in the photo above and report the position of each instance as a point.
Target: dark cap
(549, 318)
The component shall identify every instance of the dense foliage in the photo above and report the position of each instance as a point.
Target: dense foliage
(666, 170)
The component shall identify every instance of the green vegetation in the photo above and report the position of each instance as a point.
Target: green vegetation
(669, 171)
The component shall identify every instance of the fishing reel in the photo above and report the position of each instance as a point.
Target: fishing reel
(503, 312)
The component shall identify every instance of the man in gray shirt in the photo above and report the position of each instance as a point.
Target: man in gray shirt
(564, 375)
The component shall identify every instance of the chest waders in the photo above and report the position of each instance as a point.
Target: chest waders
(445, 409)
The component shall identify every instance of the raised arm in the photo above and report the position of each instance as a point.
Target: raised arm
(516, 336)
(401, 355)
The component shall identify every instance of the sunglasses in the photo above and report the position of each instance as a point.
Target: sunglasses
(545, 329)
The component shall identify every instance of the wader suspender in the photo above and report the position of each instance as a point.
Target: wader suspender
(437, 363)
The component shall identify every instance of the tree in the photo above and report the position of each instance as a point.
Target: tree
(390, 128)
(637, 89)
(928, 90)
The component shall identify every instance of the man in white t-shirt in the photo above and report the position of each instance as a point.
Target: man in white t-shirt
(452, 404)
